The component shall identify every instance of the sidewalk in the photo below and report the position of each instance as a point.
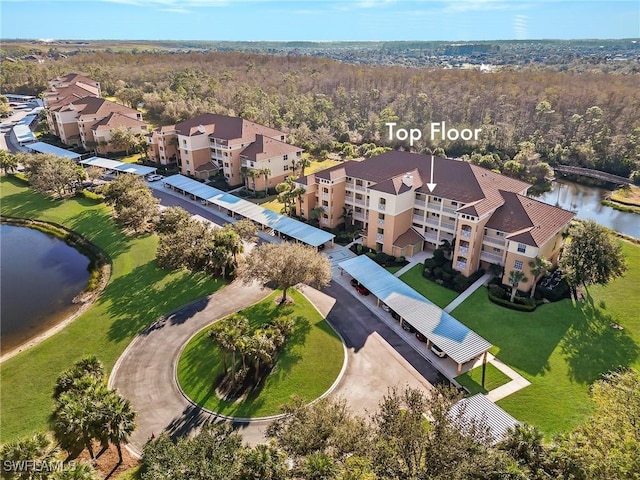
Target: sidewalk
(418, 258)
(467, 293)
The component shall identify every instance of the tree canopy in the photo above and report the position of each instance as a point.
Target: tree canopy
(286, 265)
(592, 255)
(49, 173)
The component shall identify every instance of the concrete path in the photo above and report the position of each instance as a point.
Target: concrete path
(418, 258)
(517, 382)
(464, 295)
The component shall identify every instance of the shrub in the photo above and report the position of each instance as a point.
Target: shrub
(497, 291)
(431, 263)
(461, 283)
(446, 276)
(438, 257)
(371, 255)
(513, 306)
(96, 197)
(400, 259)
(437, 272)
(382, 258)
(561, 291)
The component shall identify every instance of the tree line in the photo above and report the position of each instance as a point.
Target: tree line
(584, 119)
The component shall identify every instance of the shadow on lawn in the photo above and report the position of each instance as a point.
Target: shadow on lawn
(100, 229)
(142, 296)
(26, 203)
(592, 347)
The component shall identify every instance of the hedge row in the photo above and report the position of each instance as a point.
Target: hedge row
(513, 306)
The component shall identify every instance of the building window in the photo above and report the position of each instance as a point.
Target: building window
(517, 265)
(381, 216)
(286, 167)
(500, 234)
(187, 162)
(325, 190)
(325, 216)
(381, 231)
(522, 248)
(285, 157)
(325, 203)
(184, 142)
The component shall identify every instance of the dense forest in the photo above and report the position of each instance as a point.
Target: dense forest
(530, 115)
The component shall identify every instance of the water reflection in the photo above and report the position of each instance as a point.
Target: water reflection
(586, 203)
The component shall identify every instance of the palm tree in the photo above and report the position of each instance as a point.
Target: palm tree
(120, 420)
(76, 471)
(252, 174)
(525, 444)
(261, 349)
(263, 461)
(515, 277)
(8, 161)
(539, 266)
(73, 423)
(302, 164)
(37, 447)
(265, 172)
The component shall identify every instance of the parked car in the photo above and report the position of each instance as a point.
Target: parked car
(408, 327)
(154, 178)
(438, 351)
(385, 307)
(354, 282)
(362, 291)
(395, 315)
(421, 337)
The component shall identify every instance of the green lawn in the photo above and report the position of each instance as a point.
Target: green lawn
(137, 294)
(438, 294)
(393, 269)
(472, 380)
(561, 348)
(308, 365)
(317, 165)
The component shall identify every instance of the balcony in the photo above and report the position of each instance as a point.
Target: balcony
(431, 237)
(433, 221)
(495, 240)
(382, 207)
(465, 233)
(358, 216)
(491, 257)
(434, 206)
(461, 265)
(463, 251)
(419, 203)
(381, 222)
(379, 237)
(361, 188)
(418, 218)
(325, 196)
(449, 226)
(360, 201)
(449, 209)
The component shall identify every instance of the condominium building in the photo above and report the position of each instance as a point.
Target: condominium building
(242, 150)
(487, 217)
(79, 116)
(89, 122)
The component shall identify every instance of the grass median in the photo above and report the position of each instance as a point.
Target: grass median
(562, 348)
(307, 366)
(137, 294)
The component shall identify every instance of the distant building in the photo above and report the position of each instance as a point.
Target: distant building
(487, 217)
(244, 151)
(79, 116)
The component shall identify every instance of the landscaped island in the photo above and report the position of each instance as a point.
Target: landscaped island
(306, 366)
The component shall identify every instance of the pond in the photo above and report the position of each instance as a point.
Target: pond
(585, 202)
(40, 275)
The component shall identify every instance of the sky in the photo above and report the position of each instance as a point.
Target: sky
(319, 20)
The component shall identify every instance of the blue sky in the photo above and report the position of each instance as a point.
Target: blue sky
(319, 19)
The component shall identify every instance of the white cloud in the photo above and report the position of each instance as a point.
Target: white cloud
(175, 10)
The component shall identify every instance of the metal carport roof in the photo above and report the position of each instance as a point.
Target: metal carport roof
(479, 408)
(454, 338)
(122, 167)
(293, 228)
(41, 147)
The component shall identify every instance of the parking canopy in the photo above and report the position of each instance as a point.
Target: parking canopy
(479, 408)
(117, 166)
(41, 147)
(288, 226)
(454, 338)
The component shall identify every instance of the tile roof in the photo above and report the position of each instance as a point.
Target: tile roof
(455, 179)
(528, 221)
(99, 106)
(410, 237)
(225, 127)
(115, 120)
(61, 96)
(264, 147)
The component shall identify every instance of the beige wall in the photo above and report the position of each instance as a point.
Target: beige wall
(192, 159)
(475, 244)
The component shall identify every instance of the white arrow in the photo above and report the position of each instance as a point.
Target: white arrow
(431, 185)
